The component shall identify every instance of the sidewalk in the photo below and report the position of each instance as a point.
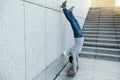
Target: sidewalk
(93, 69)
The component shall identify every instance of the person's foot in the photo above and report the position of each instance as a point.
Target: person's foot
(63, 4)
(71, 73)
(71, 9)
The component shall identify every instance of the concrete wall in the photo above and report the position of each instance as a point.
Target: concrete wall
(12, 49)
(33, 35)
(103, 3)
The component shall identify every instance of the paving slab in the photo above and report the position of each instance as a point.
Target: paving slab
(93, 69)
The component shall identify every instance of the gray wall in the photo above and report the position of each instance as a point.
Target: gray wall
(33, 34)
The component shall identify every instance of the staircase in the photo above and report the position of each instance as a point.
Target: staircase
(102, 34)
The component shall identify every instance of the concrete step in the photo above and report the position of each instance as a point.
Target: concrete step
(114, 41)
(90, 26)
(103, 45)
(101, 32)
(111, 19)
(101, 29)
(116, 16)
(116, 21)
(100, 26)
(100, 55)
(92, 20)
(93, 14)
(101, 50)
(98, 17)
(102, 23)
(96, 13)
(89, 17)
(105, 18)
(99, 35)
(101, 16)
(102, 36)
(94, 10)
(99, 23)
(108, 13)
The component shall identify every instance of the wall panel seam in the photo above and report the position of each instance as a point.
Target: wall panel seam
(47, 7)
(25, 41)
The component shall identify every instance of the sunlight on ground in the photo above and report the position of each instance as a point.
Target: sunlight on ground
(117, 3)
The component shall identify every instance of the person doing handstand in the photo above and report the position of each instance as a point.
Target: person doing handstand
(73, 52)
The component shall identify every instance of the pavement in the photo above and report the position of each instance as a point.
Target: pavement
(93, 69)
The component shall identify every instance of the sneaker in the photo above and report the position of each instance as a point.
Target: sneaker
(71, 9)
(71, 73)
(63, 4)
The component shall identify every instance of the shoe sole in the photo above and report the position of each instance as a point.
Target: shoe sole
(71, 73)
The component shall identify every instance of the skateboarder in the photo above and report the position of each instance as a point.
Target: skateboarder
(73, 52)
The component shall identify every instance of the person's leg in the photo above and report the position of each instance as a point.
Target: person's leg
(65, 10)
(67, 15)
(74, 23)
(72, 16)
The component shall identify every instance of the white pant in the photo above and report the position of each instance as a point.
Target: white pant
(74, 52)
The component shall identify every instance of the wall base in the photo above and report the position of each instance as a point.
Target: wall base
(52, 70)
